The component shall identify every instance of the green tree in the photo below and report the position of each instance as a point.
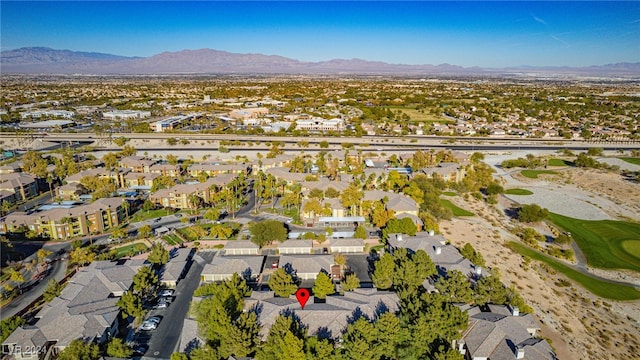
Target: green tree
(383, 273)
(470, 253)
(389, 331)
(351, 282)
(145, 280)
(360, 339)
(144, 231)
(282, 283)
(350, 198)
(455, 287)
(9, 325)
(424, 265)
(267, 231)
(130, 304)
(318, 348)
(159, 255)
(324, 144)
(313, 207)
(399, 226)
(117, 348)
(42, 254)
(110, 161)
(489, 289)
(81, 256)
(148, 205)
(212, 214)
(79, 350)
(180, 356)
(323, 286)
(243, 337)
(52, 290)
(285, 340)
(530, 213)
(361, 233)
(585, 161)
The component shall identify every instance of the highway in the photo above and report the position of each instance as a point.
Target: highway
(408, 141)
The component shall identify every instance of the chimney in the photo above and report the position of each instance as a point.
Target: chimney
(515, 311)
(431, 232)
(519, 352)
(399, 237)
(478, 270)
(438, 250)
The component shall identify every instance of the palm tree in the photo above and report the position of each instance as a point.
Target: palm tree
(50, 182)
(126, 206)
(6, 207)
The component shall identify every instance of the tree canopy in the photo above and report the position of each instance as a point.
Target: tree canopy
(282, 283)
(159, 255)
(267, 231)
(530, 213)
(323, 286)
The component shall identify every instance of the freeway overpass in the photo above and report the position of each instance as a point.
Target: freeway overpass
(410, 142)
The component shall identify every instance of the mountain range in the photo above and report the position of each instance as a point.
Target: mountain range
(41, 60)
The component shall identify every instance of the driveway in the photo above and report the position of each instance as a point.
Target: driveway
(164, 340)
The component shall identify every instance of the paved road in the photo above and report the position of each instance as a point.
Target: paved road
(57, 272)
(164, 340)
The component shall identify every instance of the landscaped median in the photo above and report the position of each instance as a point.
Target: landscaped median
(607, 244)
(604, 289)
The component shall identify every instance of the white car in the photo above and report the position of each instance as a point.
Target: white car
(166, 292)
(162, 304)
(148, 325)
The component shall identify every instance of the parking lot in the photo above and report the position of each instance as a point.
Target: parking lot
(163, 341)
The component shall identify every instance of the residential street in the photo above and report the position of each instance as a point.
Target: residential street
(164, 340)
(56, 272)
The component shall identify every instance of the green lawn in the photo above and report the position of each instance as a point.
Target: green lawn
(456, 211)
(630, 160)
(172, 239)
(151, 214)
(598, 287)
(533, 174)
(449, 193)
(417, 116)
(607, 244)
(559, 162)
(131, 249)
(518, 192)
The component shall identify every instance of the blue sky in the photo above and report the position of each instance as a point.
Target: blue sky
(472, 33)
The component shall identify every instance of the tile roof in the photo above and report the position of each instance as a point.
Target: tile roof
(496, 334)
(307, 264)
(227, 265)
(329, 318)
(86, 305)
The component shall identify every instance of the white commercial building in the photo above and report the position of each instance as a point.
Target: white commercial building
(48, 113)
(320, 124)
(126, 114)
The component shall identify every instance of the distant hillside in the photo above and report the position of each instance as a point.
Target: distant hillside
(207, 61)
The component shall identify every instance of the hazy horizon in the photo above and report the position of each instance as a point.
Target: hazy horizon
(475, 33)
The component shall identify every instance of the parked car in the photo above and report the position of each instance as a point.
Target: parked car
(140, 349)
(162, 304)
(166, 292)
(148, 325)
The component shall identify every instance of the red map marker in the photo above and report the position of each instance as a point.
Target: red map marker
(302, 295)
